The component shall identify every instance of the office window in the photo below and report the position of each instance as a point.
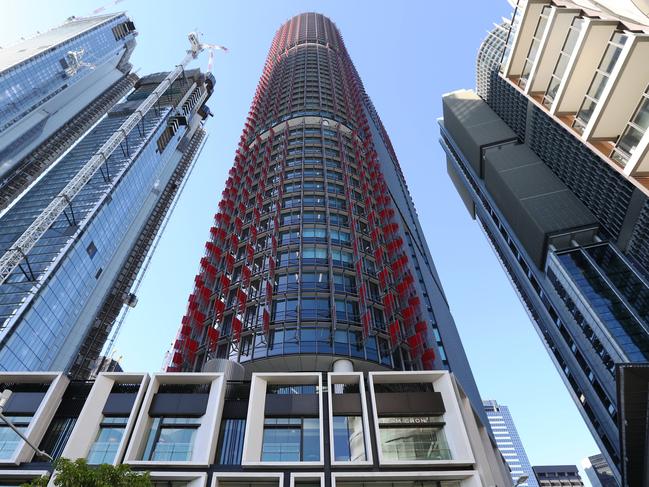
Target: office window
(171, 439)
(104, 449)
(291, 440)
(349, 443)
(8, 439)
(416, 438)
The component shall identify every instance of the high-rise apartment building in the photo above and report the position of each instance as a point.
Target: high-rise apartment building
(558, 476)
(53, 88)
(549, 157)
(509, 443)
(59, 303)
(316, 253)
(598, 471)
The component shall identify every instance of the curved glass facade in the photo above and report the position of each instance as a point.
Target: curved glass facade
(306, 256)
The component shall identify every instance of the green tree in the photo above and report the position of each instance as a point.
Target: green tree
(80, 474)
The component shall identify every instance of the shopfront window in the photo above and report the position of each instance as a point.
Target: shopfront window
(8, 439)
(110, 434)
(291, 440)
(349, 442)
(171, 439)
(413, 438)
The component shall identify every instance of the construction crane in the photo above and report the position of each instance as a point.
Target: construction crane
(26, 242)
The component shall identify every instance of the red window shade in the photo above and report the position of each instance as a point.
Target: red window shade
(213, 338)
(229, 263)
(178, 358)
(388, 304)
(246, 273)
(266, 320)
(250, 253)
(393, 331)
(197, 316)
(367, 324)
(384, 277)
(428, 358)
(269, 291)
(421, 327)
(242, 298)
(185, 330)
(219, 309)
(236, 329)
(205, 294)
(378, 256)
(234, 242)
(225, 283)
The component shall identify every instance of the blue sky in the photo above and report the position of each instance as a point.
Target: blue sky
(408, 54)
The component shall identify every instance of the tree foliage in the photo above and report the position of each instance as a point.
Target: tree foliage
(78, 473)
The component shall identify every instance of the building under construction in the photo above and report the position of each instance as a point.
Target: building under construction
(74, 239)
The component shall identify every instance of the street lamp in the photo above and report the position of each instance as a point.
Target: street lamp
(521, 480)
(4, 398)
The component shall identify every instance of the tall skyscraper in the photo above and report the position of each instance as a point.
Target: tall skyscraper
(53, 88)
(509, 443)
(316, 253)
(598, 471)
(550, 158)
(59, 303)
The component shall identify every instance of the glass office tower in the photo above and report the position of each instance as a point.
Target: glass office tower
(542, 157)
(316, 253)
(53, 88)
(58, 305)
(509, 443)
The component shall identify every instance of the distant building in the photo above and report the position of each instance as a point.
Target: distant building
(558, 476)
(106, 364)
(598, 471)
(509, 443)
